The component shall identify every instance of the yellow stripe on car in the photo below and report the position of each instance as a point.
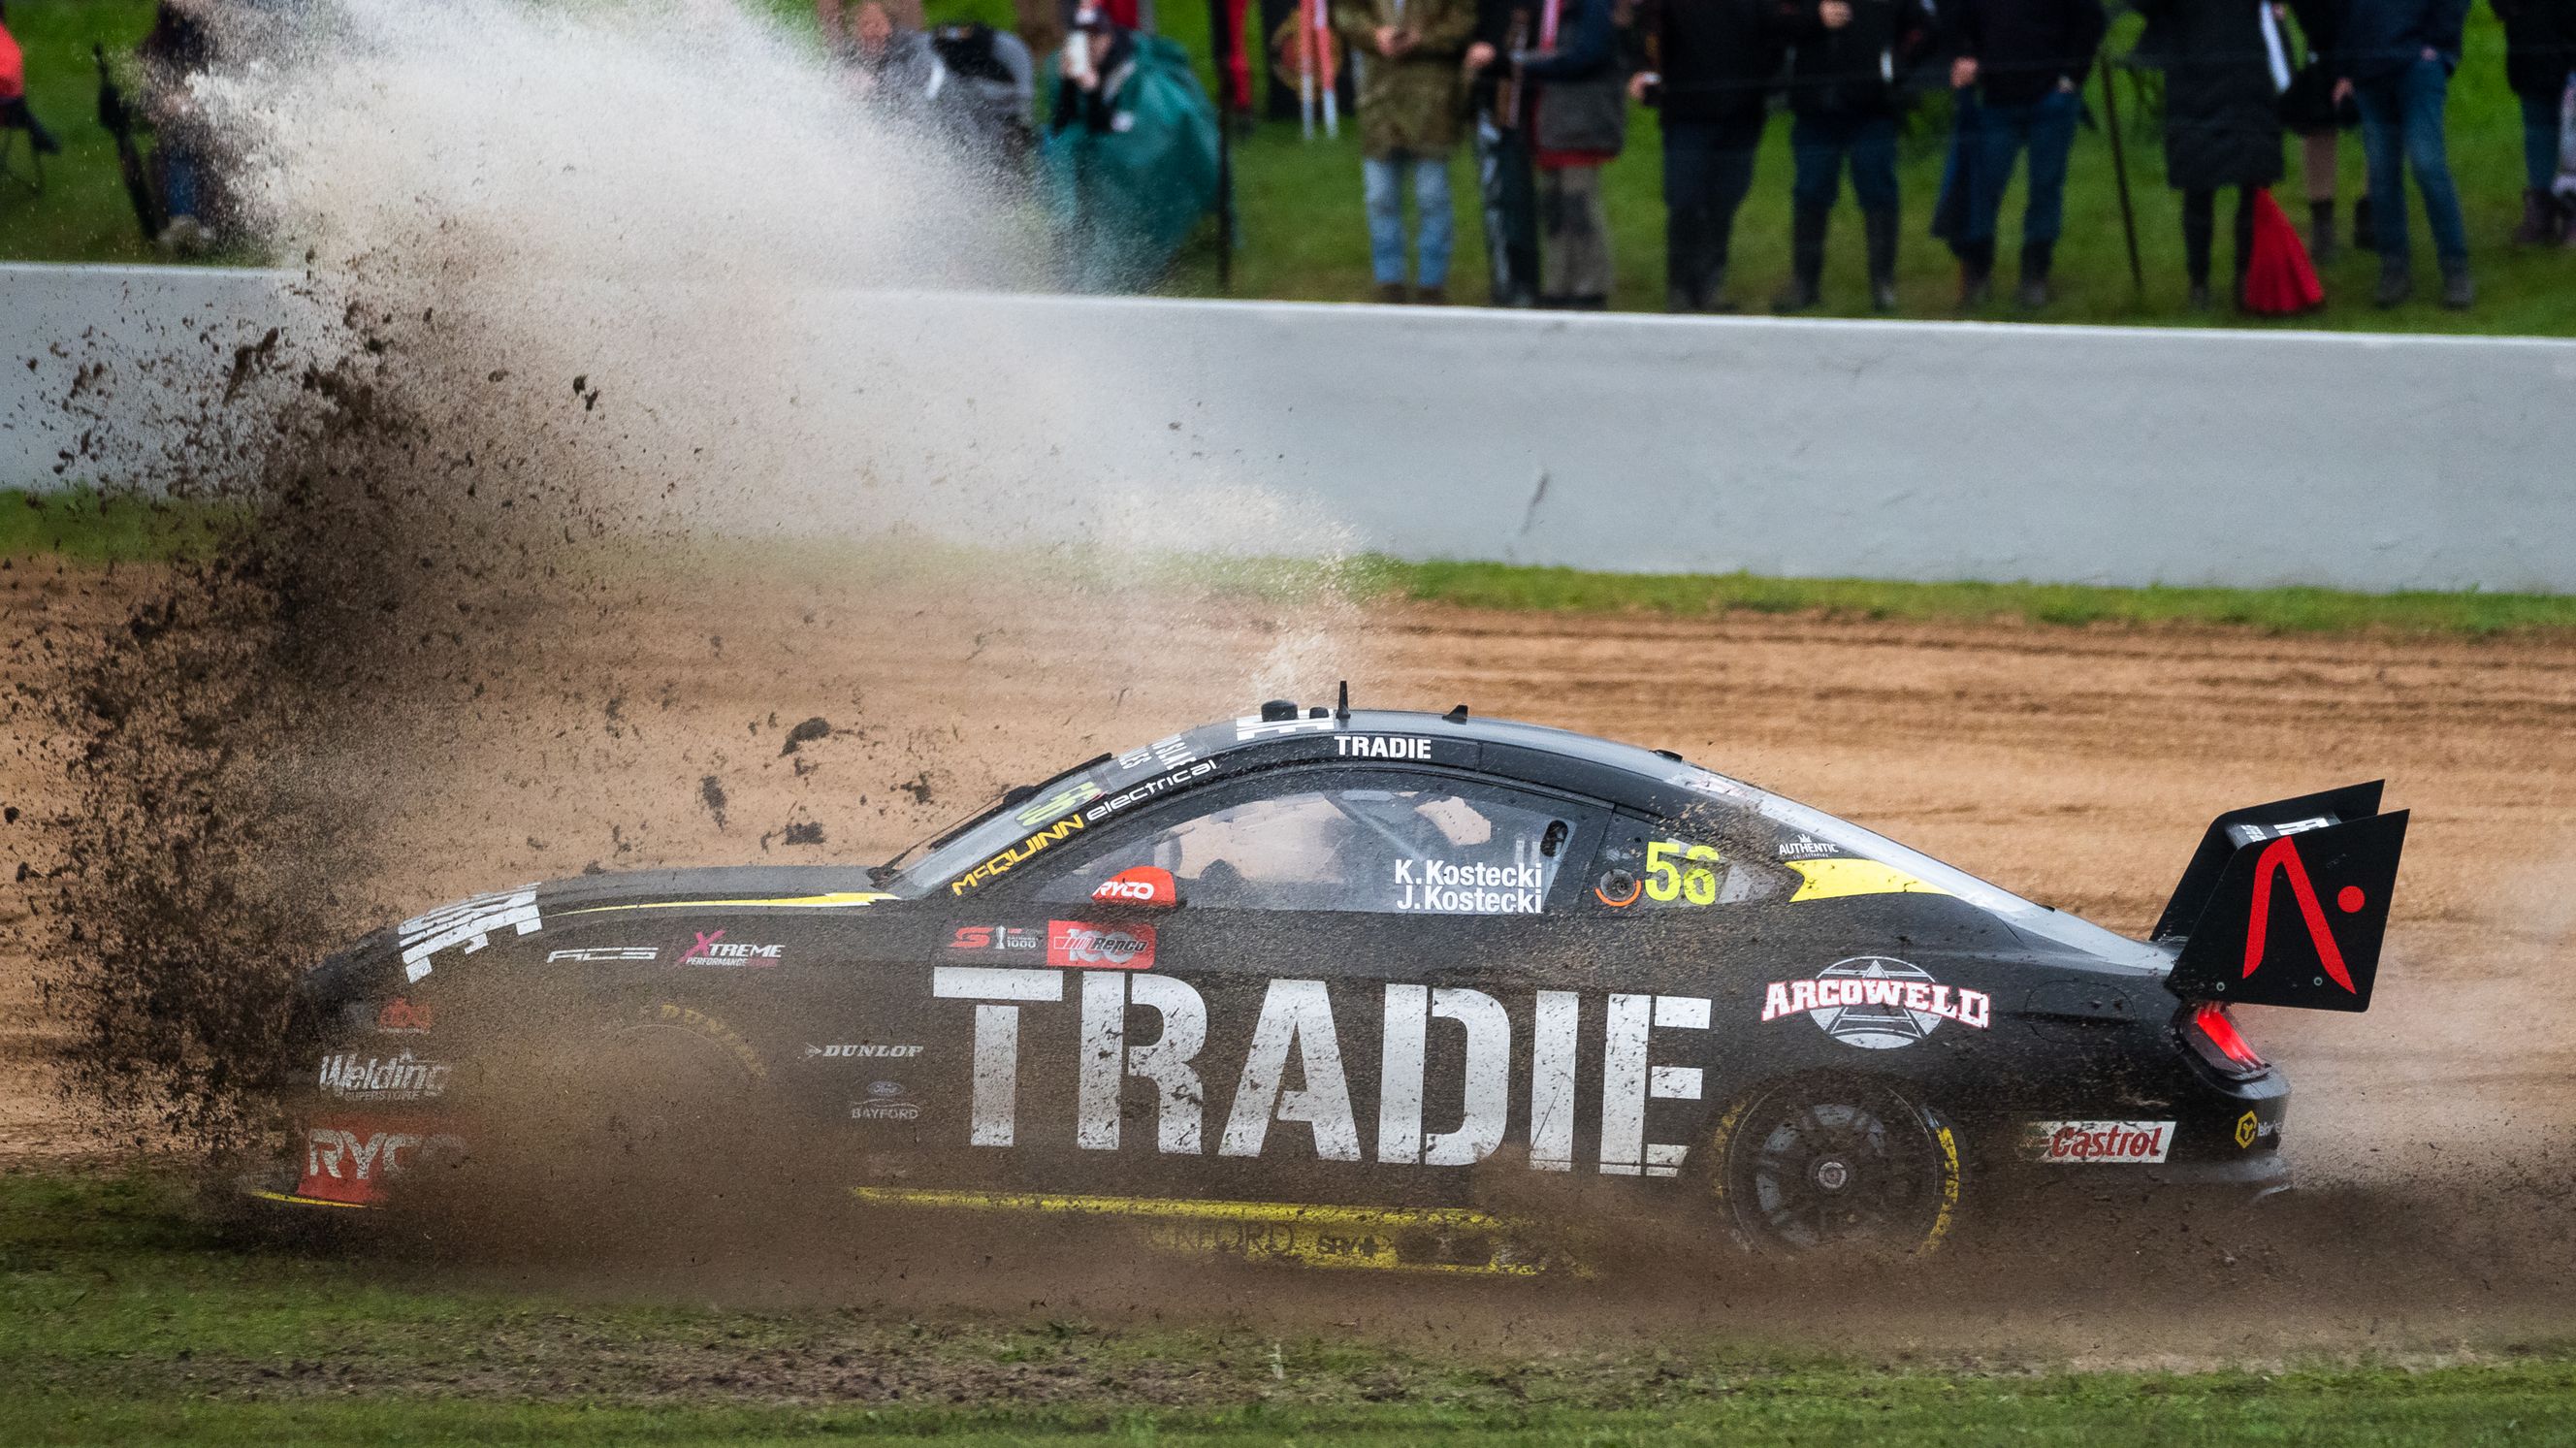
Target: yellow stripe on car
(835, 900)
(1838, 879)
(1318, 1235)
(292, 1200)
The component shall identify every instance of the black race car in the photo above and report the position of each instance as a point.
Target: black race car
(1322, 984)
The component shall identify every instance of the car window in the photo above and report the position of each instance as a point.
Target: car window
(1399, 846)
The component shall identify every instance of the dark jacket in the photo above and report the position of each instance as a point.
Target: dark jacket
(2539, 45)
(1582, 103)
(2222, 115)
(2376, 39)
(1717, 58)
(1853, 70)
(2023, 48)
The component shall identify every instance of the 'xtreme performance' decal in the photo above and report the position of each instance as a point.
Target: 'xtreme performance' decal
(1296, 1022)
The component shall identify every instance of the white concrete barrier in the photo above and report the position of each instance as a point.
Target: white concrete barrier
(1900, 450)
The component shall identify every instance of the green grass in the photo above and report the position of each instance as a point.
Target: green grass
(1304, 237)
(86, 526)
(94, 528)
(2281, 610)
(122, 1320)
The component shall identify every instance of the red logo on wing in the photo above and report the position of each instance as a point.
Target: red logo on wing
(2283, 856)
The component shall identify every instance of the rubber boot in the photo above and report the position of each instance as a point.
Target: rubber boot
(2539, 220)
(2036, 258)
(1976, 275)
(1806, 260)
(2362, 240)
(1880, 229)
(2323, 245)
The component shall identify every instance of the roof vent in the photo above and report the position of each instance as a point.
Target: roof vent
(1277, 710)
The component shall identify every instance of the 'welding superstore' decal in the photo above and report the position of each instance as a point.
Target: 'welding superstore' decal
(1296, 1024)
(1876, 1002)
(351, 1077)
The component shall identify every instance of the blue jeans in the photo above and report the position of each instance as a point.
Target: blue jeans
(1708, 168)
(1818, 141)
(1383, 179)
(2047, 127)
(2401, 129)
(2539, 141)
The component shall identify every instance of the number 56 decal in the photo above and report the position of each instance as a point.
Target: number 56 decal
(1691, 880)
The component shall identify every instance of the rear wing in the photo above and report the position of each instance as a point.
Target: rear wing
(2285, 904)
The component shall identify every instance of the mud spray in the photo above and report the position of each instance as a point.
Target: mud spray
(625, 324)
(624, 485)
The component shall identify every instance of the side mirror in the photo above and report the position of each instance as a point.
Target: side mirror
(1146, 887)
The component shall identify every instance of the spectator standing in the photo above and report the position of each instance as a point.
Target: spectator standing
(1844, 100)
(180, 47)
(2395, 59)
(2310, 111)
(2539, 51)
(2028, 58)
(1579, 122)
(1410, 82)
(2222, 120)
(1708, 71)
(1497, 104)
(14, 114)
(890, 62)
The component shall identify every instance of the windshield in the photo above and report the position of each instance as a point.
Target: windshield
(1050, 814)
(2023, 915)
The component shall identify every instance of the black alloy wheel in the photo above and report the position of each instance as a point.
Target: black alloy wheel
(1837, 1164)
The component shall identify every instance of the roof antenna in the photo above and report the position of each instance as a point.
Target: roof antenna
(1457, 715)
(1342, 711)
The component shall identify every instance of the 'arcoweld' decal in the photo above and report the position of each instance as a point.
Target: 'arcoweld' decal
(1296, 1025)
(1875, 1002)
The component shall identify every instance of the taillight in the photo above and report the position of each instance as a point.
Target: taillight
(2214, 1035)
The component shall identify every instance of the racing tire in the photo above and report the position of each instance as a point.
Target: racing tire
(1845, 1164)
(645, 1127)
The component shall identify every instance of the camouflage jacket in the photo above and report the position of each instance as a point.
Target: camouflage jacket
(1411, 105)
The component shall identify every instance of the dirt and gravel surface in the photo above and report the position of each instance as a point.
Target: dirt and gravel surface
(674, 721)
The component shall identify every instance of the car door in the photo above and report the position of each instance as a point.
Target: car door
(1240, 1044)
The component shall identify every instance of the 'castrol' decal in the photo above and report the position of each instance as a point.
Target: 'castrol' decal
(2093, 1143)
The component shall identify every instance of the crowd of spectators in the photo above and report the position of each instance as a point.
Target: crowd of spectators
(1542, 90)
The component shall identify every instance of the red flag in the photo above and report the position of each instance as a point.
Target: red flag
(2279, 280)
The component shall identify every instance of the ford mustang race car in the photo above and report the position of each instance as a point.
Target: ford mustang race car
(1322, 983)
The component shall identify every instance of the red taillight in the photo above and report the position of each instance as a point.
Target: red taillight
(2212, 1023)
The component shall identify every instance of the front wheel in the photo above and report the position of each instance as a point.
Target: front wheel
(1837, 1163)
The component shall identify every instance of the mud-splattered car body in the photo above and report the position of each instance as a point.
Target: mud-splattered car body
(1308, 982)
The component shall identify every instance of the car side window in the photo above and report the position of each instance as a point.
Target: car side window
(1650, 866)
(1397, 845)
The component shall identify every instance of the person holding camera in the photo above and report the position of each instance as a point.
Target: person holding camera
(1707, 74)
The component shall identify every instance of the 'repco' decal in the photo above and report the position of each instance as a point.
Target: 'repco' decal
(2097, 1143)
(470, 923)
(1074, 945)
(1876, 1002)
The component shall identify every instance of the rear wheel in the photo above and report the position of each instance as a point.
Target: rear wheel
(1837, 1163)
